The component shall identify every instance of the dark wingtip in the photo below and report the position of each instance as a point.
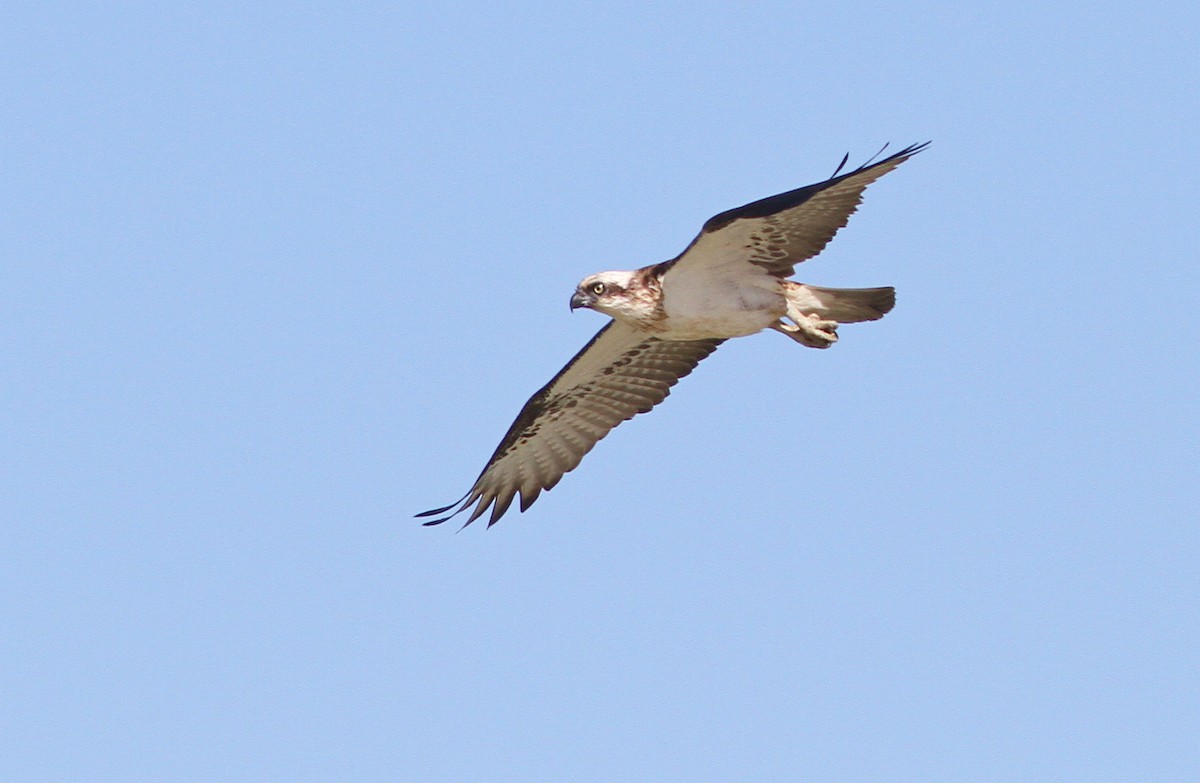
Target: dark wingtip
(900, 156)
(433, 511)
(441, 510)
(840, 166)
(907, 152)
(440, 520)
(871, 159)
(912, 149)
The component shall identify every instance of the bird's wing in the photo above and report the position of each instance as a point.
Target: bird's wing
(620, 373)
(778, 232)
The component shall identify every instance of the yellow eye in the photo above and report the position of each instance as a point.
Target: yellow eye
(597, 288)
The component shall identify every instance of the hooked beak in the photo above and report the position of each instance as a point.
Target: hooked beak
(580, 299)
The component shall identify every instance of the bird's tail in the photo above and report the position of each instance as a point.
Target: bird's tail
(844, 305)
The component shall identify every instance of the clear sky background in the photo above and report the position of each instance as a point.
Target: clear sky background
(277, 277)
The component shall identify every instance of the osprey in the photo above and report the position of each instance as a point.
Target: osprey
(731, 281)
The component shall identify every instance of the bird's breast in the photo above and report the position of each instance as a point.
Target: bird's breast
(722, 309)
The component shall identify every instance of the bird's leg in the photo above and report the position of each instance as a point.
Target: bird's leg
(807, 329)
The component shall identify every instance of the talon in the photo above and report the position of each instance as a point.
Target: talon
(809, 330)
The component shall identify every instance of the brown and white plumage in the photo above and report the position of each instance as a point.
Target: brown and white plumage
(729, 282)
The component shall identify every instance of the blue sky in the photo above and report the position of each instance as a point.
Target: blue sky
(276, 278)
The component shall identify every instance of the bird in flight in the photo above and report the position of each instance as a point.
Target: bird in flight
(731, 281)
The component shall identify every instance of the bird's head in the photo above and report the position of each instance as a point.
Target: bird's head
(611, 293)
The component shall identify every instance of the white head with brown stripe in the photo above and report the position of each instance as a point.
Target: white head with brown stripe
(634, 297)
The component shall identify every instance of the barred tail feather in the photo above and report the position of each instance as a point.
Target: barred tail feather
(844, 305)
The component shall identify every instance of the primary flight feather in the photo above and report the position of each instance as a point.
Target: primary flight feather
(731, 281)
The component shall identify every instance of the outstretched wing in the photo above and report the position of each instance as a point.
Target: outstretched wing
(620, 373)
(778, 232)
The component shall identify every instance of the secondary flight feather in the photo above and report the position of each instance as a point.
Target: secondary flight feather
(731, 281)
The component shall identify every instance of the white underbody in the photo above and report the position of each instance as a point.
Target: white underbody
(731, 305)
(715, 303)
